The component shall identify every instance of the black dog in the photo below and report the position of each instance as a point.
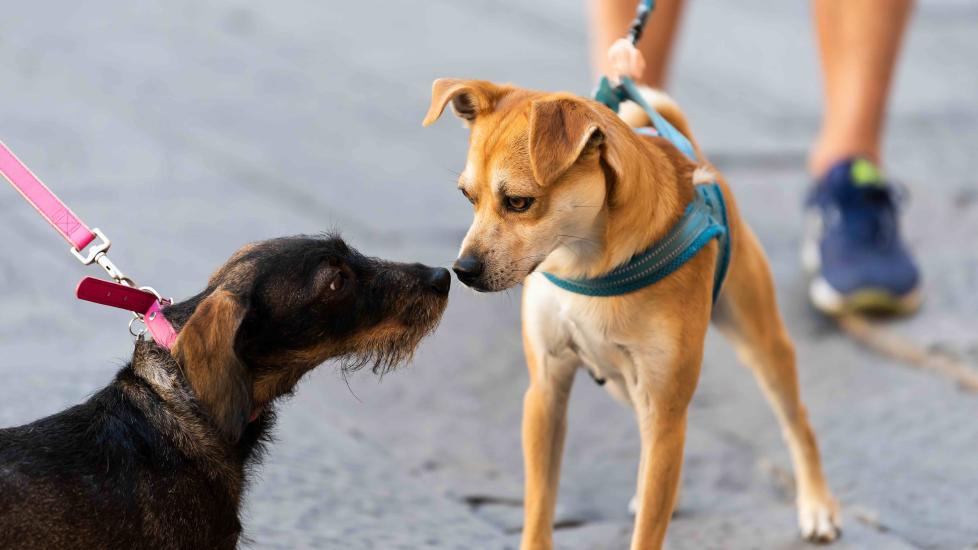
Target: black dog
(158, 458)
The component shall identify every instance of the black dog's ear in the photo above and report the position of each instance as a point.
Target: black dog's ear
(205, 348)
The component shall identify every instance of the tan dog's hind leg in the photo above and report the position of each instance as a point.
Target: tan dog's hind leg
(748, 315)
(544, 427)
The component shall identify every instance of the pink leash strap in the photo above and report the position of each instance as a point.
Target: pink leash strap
(144, 302)
(64, 221)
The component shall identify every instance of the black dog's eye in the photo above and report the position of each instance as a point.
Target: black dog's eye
(518, 204)
(466, 195)
(335, 280)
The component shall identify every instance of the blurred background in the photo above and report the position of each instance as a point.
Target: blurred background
(184, 129)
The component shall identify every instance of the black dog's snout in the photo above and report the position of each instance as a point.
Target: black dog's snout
(468, 268)
(440, 280)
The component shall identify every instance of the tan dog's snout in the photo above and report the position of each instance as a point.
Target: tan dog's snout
(469, 268)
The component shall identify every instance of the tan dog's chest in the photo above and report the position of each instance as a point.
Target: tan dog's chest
(581, 331)
(607, 360)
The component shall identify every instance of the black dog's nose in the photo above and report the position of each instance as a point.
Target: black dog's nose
(440, 280)
(468, 268)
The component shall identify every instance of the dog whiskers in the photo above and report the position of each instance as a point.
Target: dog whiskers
(509, 295)
(586, 239)
(346, 380)
(531, 257)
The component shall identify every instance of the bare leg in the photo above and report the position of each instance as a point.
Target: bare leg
(858, 42)
(609, 20)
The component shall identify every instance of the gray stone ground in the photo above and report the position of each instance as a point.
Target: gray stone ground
(185, 129)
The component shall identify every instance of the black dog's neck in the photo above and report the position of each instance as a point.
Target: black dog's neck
(178, 313)
(166, 398)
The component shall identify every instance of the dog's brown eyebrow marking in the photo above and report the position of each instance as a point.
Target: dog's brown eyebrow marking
(508, 189)
(498, 132)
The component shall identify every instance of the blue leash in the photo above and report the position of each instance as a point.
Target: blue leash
(705, 218)
(613, 96)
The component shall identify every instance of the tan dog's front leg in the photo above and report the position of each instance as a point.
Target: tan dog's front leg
(662, 390)
(663, 436)
(544, 426)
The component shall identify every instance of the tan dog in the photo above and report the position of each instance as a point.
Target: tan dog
(563, 185)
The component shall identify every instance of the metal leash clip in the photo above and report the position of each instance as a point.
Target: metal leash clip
(98, 253)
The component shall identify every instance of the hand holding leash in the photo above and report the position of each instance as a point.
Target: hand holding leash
(625, 60)
(624, 57)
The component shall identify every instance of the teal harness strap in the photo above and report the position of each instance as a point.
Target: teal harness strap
(612, 96)
(705, 219)
(718, 207)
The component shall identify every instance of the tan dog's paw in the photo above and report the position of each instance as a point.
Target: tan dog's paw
(819, 520)
(536, 545)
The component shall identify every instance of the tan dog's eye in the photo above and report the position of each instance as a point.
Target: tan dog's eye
(467, 196)
(518, 204)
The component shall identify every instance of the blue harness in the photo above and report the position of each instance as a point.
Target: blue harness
(705, 219)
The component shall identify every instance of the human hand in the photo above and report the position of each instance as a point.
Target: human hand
(625, 60)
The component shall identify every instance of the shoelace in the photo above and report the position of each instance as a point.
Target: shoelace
(867, 214)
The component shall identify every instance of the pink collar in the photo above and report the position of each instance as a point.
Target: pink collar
(147, 306)
(144, 302)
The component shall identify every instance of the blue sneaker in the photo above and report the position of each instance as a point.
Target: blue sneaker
(853, 247)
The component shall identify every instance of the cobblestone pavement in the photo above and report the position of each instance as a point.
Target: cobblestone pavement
(185, 128)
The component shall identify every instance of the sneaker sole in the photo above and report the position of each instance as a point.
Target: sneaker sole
(874, 301)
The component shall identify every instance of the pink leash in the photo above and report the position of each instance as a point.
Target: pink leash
(145, 303)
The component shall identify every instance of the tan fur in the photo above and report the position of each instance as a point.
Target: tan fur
(293, 365)
(205, 350)
(595, 208)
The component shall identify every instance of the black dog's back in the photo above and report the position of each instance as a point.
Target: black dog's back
(102, 475)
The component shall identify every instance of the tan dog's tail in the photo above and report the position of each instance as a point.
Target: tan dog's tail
(634, 116)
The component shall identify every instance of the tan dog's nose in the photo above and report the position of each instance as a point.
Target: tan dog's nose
(468, 268)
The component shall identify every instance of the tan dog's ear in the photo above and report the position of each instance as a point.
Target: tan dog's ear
(205, 349)
(560, 130)
(469, 98)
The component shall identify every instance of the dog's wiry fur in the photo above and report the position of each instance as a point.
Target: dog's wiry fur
(158, 459)
(598, 193)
